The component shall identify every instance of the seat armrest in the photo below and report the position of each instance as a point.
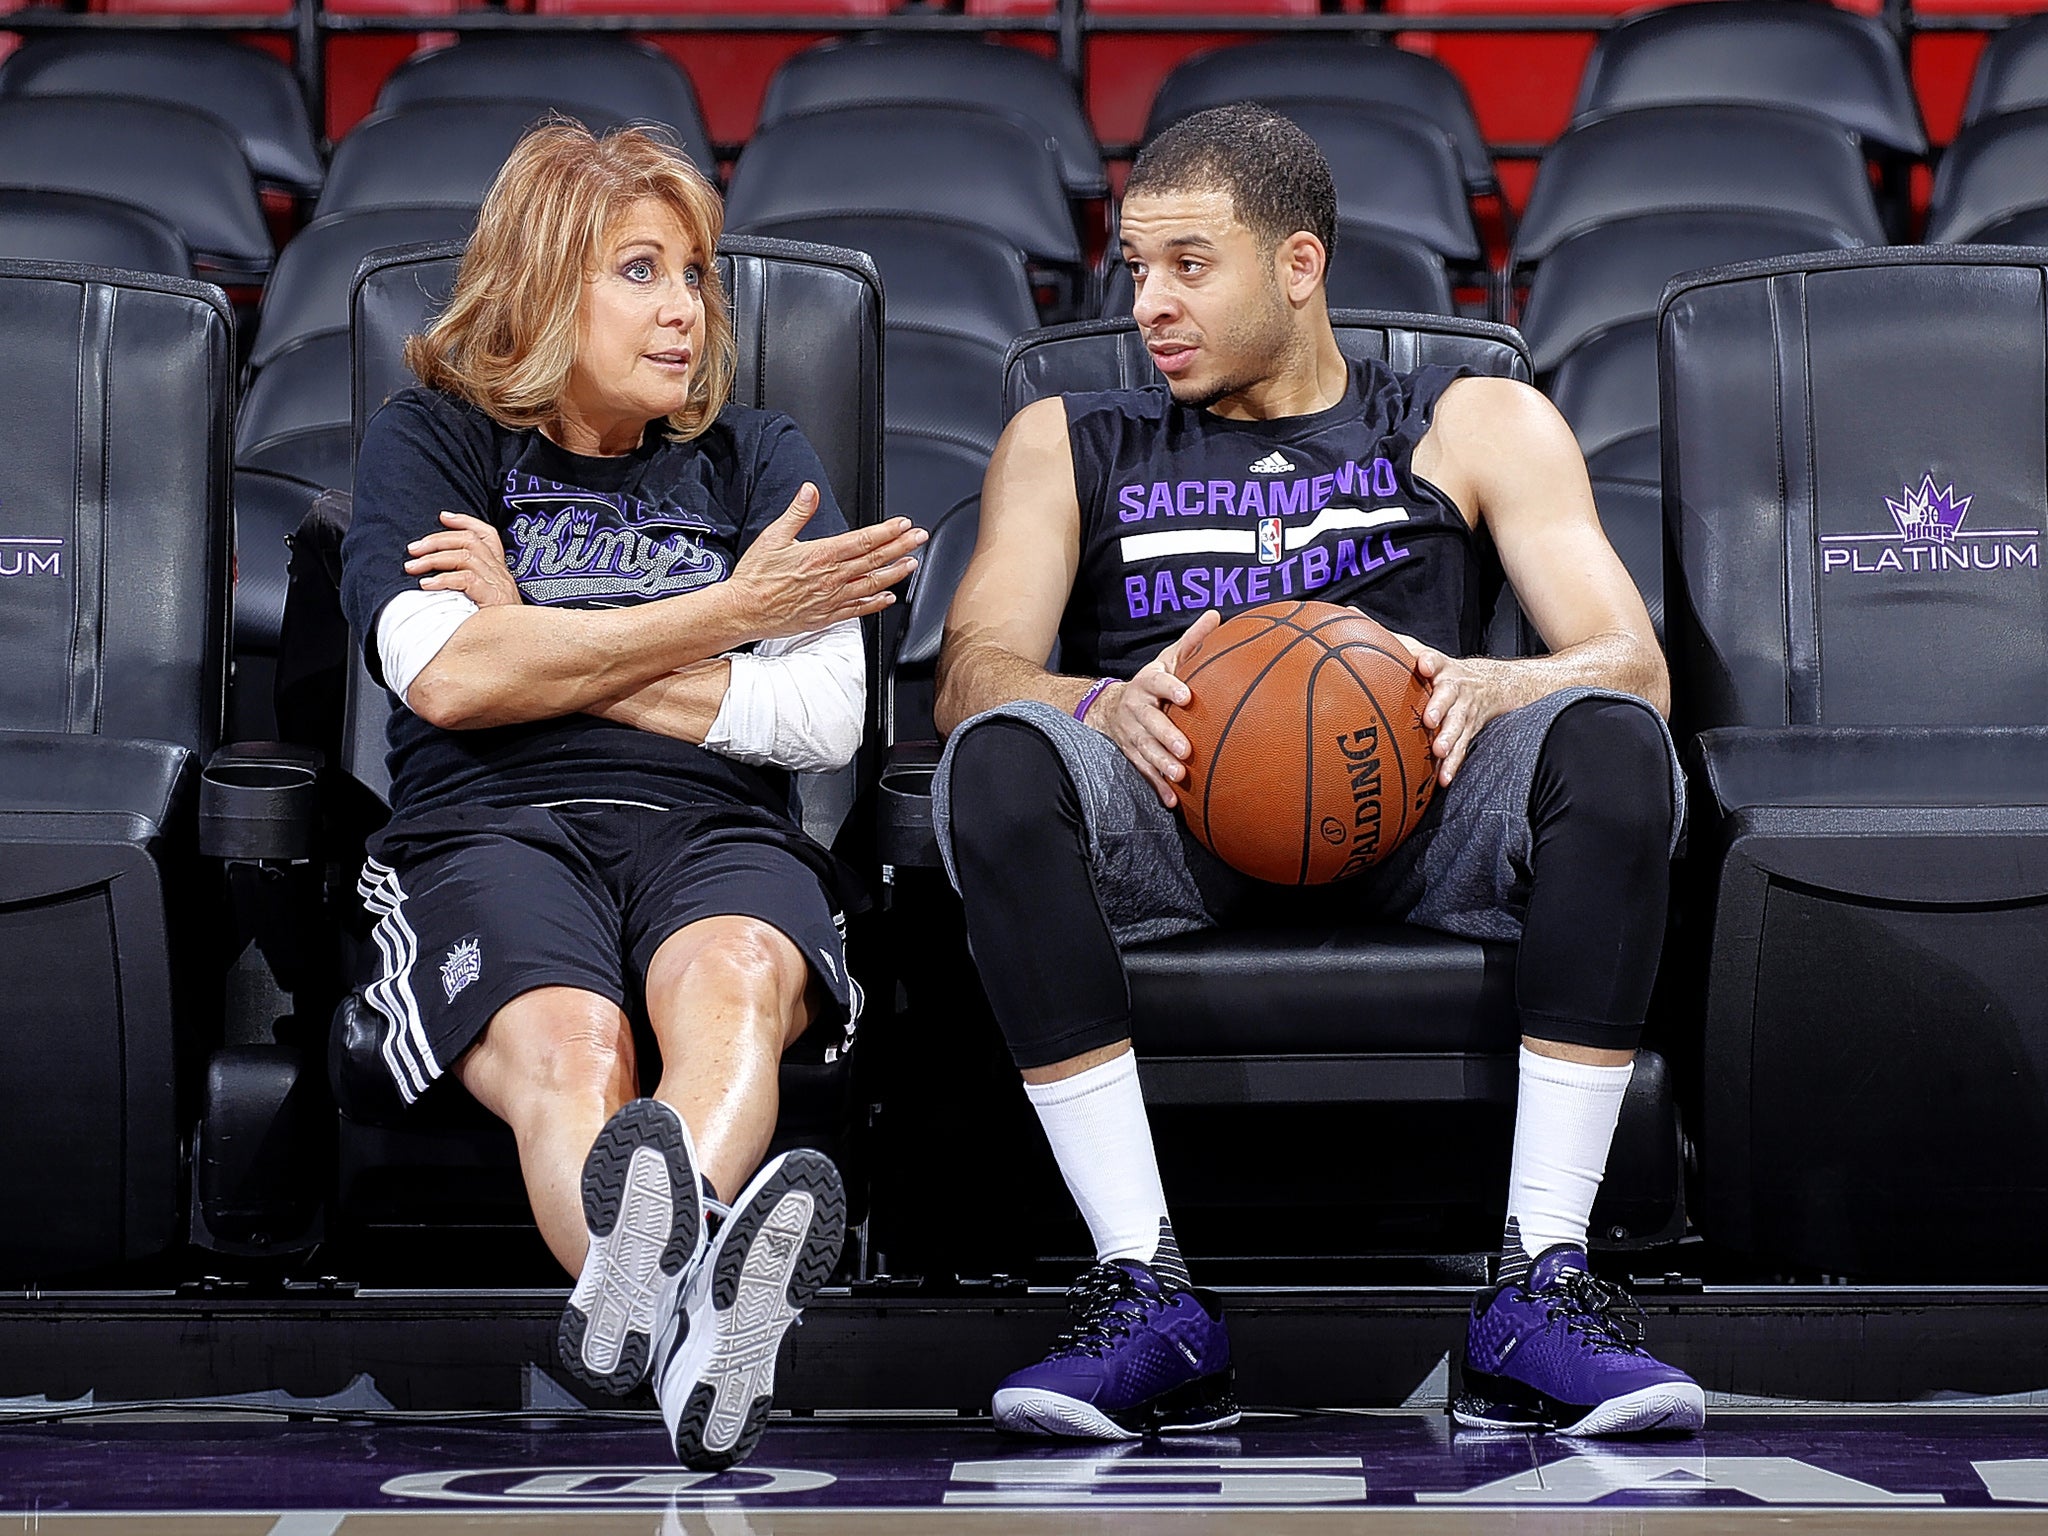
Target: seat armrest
(1844, 766)
(905, 808)
(258, 801)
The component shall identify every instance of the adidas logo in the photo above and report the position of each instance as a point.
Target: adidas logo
(1274, 463)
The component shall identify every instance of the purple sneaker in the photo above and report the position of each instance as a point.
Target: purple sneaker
(1139, 1360)
(1557, 1352)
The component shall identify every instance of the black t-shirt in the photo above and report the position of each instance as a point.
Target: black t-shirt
(1182, 511)
(652, 525)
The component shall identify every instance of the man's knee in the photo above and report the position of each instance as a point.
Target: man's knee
(737, 959)
(1605, 765)
(1009, 787)
(555, 1042)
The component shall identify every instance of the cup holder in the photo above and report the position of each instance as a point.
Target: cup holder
(257, 801)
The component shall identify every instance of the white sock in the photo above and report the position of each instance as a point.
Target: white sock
(1564, 1125)
(1102, 1141)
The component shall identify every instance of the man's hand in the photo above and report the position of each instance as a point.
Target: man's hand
(469, 558)
(782, 586)
(1133, 714)
(1463, 695)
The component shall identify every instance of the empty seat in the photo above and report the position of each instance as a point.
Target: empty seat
(1124, 70)
(1606, 386)
(2012, 72)
(954, 162)
(614, 77)
(1331, 68)
(308, 293)
(2024, 226)
(444, 152)
(180, 165)
(268, 509)
(257, 97)
(930, 471)
(1371, 268)
(1632, 516)
(95, 231)
(952, 70)
(1844, 66)
(1617, 270)
(1997, 166)
(304, 385)
(1659, 158)
(1856, 455)
(116, 557)
(945, 382)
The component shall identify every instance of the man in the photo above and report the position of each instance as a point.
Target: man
(1554, 822)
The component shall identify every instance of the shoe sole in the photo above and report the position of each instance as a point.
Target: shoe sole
(1667, 1408)
(1199, 1407)
(775, 1252)
(642, 1238)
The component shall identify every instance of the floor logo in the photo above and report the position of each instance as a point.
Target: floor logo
(1929, 536)
(603, 1487)
(1097, 1480)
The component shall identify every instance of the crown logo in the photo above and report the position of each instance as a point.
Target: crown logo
(1928, 516)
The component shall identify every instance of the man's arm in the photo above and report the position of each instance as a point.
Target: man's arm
(1500, 449)
(1006, 613)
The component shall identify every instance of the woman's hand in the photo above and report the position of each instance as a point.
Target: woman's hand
(783, 586)
(469, 558)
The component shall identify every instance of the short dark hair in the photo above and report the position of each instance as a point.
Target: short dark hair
(1274, 173)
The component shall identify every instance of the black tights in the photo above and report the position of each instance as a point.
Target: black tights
(1599, 811)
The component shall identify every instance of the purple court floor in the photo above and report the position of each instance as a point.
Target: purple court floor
(1371, 1471)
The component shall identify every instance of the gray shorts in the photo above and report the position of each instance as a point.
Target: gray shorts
(1464, 870)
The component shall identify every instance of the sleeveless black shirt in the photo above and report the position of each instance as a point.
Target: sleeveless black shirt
(1182, 511)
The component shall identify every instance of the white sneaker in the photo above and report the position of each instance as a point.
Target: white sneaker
(645, 1211)
(714, 1367)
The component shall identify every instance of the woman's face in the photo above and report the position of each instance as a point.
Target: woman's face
(639, 331)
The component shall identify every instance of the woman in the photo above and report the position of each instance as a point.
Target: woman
(618, 610)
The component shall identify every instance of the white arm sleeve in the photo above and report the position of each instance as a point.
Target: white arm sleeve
(411, 631)
(798, 703)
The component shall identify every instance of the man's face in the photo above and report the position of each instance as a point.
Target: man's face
(1209, 303)
(640, 322)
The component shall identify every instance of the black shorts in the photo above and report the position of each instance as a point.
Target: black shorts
(475, 906)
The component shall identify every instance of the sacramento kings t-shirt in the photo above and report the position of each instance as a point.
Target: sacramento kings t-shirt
(661, 522)
(1182, 511)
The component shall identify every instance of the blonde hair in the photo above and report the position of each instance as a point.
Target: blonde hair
(507, 339)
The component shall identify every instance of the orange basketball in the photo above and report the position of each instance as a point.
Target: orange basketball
(1310, 760)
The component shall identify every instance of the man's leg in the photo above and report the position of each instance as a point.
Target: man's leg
(554, 1064)
(1056, 983)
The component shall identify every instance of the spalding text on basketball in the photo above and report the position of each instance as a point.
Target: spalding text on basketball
(1361, 749)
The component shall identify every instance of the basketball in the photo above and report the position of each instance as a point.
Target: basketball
(1310, 760)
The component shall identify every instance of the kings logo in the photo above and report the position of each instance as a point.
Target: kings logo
(1929, 537)
(1928, 516)
(465, 963)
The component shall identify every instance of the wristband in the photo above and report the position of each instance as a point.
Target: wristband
(1088, 699)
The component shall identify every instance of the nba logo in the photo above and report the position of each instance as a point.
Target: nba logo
(1269, 541)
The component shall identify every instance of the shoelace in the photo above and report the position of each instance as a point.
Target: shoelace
(1101, 1317)
(1605, 1315)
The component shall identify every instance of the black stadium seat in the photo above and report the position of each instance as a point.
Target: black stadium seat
(443, 153)
(1333, 69)
(2012, 72)
(1606, 387)
(114, 400)
(580, 73)
(1617, 270)
(2026, 226)
(1844, 66)
(1995, 168)
(254, 95)
(1372, 268)
(294, 415)
(308, 293)
(1773, 159)
(1632, 517)
(1392, 168)
(1855, 490)
(92, 231)
(867, 71)
(268, 508)
(809, 325)
(178, 164)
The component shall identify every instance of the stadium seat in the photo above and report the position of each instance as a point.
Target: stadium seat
(1124, 71)
(268, 509)
(1333, 69)
(1995, 168)
(257, 97)
(1617, 270)
(181, 165)
(90, 231)
(1844, 66)
(295, 408)
(1307, 1012)
(1771, 159)
(959, 163)
(116, 548)
(1854, 483)
(1372, 268)
(1632, 516)
(864, 71)
(443, 153)
(308, 293)
(2024, 226)
(1606, 386)
(809, 326)
(613, 77)
(2012, 72)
